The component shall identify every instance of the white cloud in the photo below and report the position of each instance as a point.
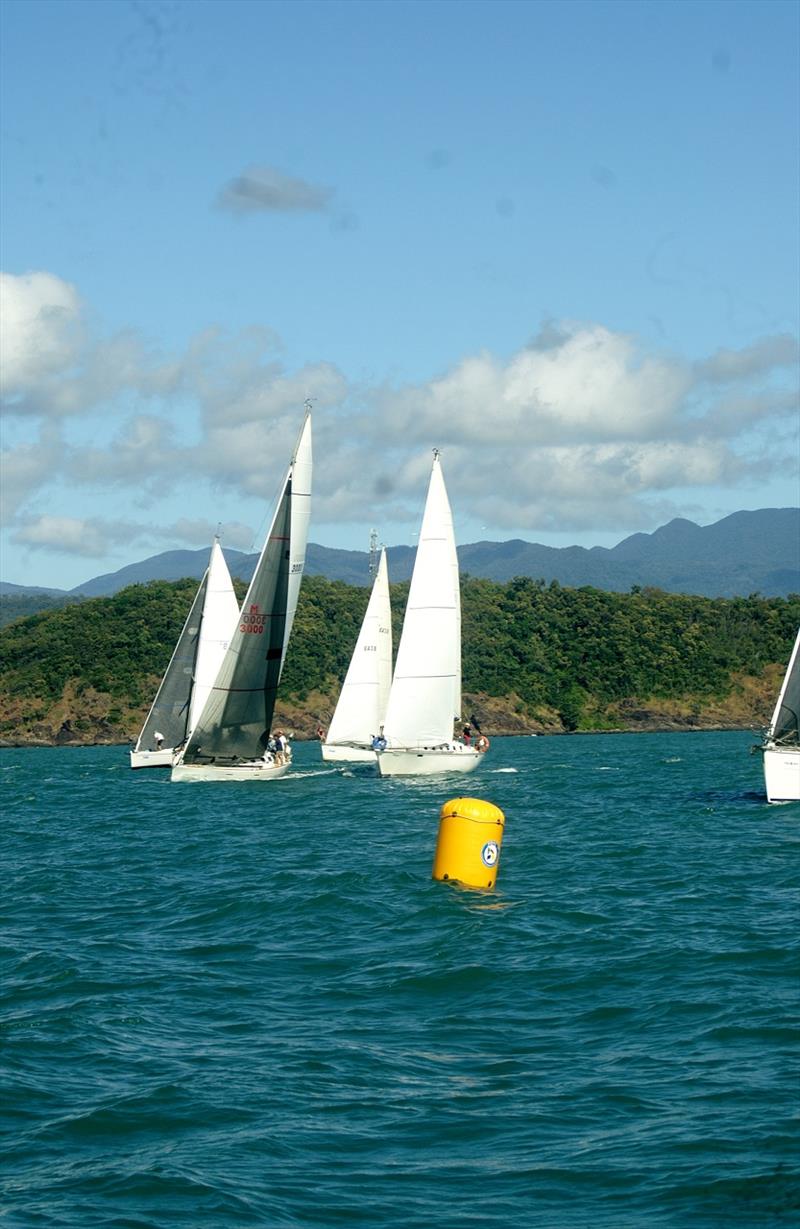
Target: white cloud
(51, 367)
(72, 535)
(26, 468)
(581, 428)
(592, 384)
(40, 330)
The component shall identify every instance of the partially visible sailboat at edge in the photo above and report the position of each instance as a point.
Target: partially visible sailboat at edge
(781, 745)
(425, 696)
(228, 742)
(361, 706)
(192, 668)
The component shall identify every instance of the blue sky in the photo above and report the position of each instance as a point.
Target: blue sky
(557, 241)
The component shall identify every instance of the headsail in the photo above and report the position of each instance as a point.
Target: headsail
(361, 707)
(169, 712)
(220, 613)
(783, 728)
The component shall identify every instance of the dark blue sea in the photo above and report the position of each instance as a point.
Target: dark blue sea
(249, 1004)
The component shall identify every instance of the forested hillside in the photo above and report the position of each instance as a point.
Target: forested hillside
(536, 657)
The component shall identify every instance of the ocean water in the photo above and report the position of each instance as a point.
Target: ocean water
(234, 1005)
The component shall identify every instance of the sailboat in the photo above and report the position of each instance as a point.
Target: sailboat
(361, 706)
(228, 742)
(781, 745)
(192, 668)
(425, 696)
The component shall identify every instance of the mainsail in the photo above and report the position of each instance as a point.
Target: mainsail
(425, 696)
(235, 722)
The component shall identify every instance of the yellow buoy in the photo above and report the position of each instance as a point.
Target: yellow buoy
(468, 848)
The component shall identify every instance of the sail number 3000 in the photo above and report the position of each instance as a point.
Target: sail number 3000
(254, 623)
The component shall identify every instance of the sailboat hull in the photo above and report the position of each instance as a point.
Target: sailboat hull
(152, 759)
(333, 754)
(782, 773)
(256, 770)
(427, 761)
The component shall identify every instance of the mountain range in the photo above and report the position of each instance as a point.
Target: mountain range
(744, 553)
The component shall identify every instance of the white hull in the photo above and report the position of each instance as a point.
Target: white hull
(333, 754)
(782, 773)
(427, 761)
(255, 770)
(152, 759)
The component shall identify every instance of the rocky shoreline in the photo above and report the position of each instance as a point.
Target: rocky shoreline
(92, 720)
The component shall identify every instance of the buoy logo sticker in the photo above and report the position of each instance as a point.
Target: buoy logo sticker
(490, 853)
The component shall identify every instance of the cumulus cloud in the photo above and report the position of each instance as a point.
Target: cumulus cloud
(581, 428)
(42, 330)
(263, 189)
(585, 383)
(95, 537)
(50, 366)
(91, 537)
(141, 452)
(26, 468)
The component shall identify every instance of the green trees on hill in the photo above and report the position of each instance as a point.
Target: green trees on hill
(569, 651)
(562, 648)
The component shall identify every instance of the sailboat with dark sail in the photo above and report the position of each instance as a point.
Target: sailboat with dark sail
(192, 668)
(229, 741)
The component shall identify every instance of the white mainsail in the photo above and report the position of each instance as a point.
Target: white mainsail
(361, 706)
(192, 668)
(425, 696)
(781, 746)
(230, 735)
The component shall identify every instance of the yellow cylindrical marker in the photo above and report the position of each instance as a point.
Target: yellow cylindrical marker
(468, 848)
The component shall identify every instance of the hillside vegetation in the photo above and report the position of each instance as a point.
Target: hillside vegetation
(536, 658)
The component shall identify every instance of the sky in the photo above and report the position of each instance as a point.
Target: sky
(557, 241)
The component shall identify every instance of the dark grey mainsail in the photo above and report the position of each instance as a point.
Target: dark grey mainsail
(783, 728)
(235, 722)
(169, 714)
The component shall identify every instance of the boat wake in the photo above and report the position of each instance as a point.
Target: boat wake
(312, 772)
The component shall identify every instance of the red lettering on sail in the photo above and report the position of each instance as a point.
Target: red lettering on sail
(253, 622)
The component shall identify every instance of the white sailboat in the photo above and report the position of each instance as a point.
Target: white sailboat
(781, 746)
(228, 742)
(425, 696)
(361, 706)
(192, 668)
